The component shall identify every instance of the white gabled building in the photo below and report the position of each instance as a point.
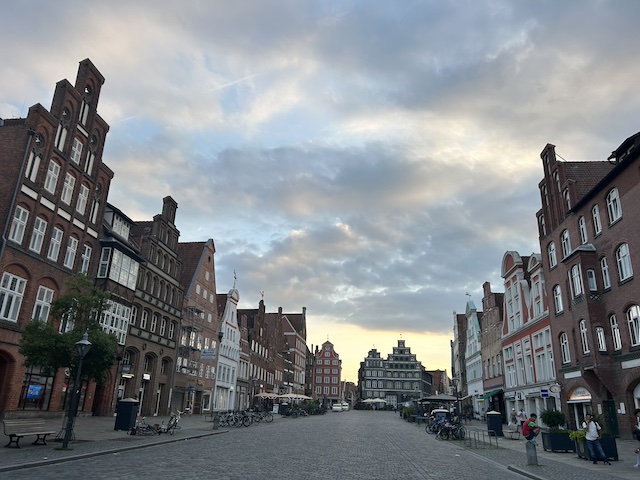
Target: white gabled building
(473, 359)
(229, 353)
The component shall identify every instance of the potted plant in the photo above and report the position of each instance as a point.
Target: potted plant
(556, 438)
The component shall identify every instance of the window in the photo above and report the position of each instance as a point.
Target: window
(88, 162)
(172, 329)
(613, 206)
(54, 244)
(566, 243)
(67, 189)
(70, 254)
(557, 297)
(582, 226)
(61, 137)
(144, 320)
(76, 151)
(564, 348)
(633, 319)
(37, 237)
(591, 280)
(154, 322)
(51, 181)
(567, 199)
(606, 279)
(624, 262)
(584, 337)
(83, 113)
(615, 333)
(576, 280)
(19, 224)
(597, 226)
(602, 344)
(31, 172)
(43, 303)
(543, 227)
(11, 293)
(83, 196)
(85, 259)
(163, 330)
(551, 250)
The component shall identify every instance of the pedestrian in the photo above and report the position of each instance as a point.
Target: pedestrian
(592, 430)
(514, 418)
(522, 417)
(530, 429)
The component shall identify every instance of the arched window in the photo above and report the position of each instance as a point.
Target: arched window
(566, 243)
(584, 337)
(582, 226)
(614, 208)
(576, 280)
(615, 333)
(602, 344)
(625, 271)
(551, 250)
(557, 298)
(606, 279)
(597, 226)
(564, 348)
(633, 319)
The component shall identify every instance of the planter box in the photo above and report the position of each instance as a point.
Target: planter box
(609, 447)
(557, 442)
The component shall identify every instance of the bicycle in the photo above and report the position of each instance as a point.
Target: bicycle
(172, 426)
(143, 428)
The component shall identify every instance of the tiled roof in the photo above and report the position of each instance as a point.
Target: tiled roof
(585, 175)
(189, 254)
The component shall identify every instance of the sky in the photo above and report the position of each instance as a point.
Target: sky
(369, 160)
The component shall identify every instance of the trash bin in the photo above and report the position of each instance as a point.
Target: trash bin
(494, 423)
(127, 413)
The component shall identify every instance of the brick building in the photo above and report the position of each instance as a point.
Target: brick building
(53, 191)
(491, 350)
(589, 236)
(327, 374)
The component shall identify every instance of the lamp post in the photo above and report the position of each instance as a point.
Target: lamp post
(82, 348)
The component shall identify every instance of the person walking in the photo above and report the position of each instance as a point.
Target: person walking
(530, 429)
(592, 430)
(522, 417)
(514, 418)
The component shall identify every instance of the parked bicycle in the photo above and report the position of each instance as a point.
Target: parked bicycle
(142, 427)
(172, 426)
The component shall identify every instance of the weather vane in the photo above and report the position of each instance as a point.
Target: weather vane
(262, 294)
(468, 295)
(234, 278)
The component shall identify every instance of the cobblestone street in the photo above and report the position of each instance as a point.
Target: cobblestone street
(346, 445)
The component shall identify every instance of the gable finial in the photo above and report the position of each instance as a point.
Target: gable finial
(262, 294)
(235, 277)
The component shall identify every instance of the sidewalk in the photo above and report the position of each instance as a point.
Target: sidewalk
(96, 436)
(515, 458)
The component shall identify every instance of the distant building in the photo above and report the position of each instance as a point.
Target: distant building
(228, 357)
(491, 335)
(473, 360)
(327, 375)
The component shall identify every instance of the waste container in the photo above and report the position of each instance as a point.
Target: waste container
(494, 423)
(127, 413)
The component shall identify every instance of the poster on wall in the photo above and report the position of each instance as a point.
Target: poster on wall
(34, 391)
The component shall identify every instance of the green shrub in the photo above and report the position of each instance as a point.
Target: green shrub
(553, 419)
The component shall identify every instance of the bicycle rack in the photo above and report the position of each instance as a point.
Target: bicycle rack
(477, 438)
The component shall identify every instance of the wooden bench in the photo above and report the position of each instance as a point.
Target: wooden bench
(15, 429)
(514, 434)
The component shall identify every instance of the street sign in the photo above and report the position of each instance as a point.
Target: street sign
(544, 393)
(208, 354)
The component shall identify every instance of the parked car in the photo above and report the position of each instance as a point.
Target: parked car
(345, 407)
(336, 407)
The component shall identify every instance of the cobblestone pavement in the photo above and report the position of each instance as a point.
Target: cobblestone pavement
(345, 445)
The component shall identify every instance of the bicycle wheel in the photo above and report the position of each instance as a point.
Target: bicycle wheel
(461, 433)
(268, 417)
(246, 421)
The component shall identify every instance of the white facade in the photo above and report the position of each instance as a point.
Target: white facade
(473, 359)
(228, 355)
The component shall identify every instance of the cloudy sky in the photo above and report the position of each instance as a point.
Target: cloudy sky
(369, 160)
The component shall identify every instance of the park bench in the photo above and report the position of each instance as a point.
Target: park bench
(15, 429)
(513, 433)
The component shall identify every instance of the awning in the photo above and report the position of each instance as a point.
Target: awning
(490, 394)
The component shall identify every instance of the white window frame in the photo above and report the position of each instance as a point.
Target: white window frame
(615, 333)
(576, 280)
(597, 224)
(33, 164)
(582, 226)
(70, 253)
(42, 304)
(591, 280)
(61, 137)
(584, 337)
(88, 163)
(55, 243)
(11, 295)
(633, 320)
(565, 240)
(76, 151)
(623, 258)
(83, 197)
(564, 348)
(551, 251)
(37, 236)
(51, 180)
(85, 258)
(600, 338)
(19, 224)
(67, 188)
(606, 278)
(557, 298)
(614, 208)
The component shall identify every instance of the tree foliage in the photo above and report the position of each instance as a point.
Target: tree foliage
(80, 306)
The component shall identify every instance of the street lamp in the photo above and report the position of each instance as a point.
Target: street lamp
(82, 348)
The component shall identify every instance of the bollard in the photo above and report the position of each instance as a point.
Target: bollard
(532, 454)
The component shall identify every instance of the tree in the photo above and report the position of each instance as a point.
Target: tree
(78, 310)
